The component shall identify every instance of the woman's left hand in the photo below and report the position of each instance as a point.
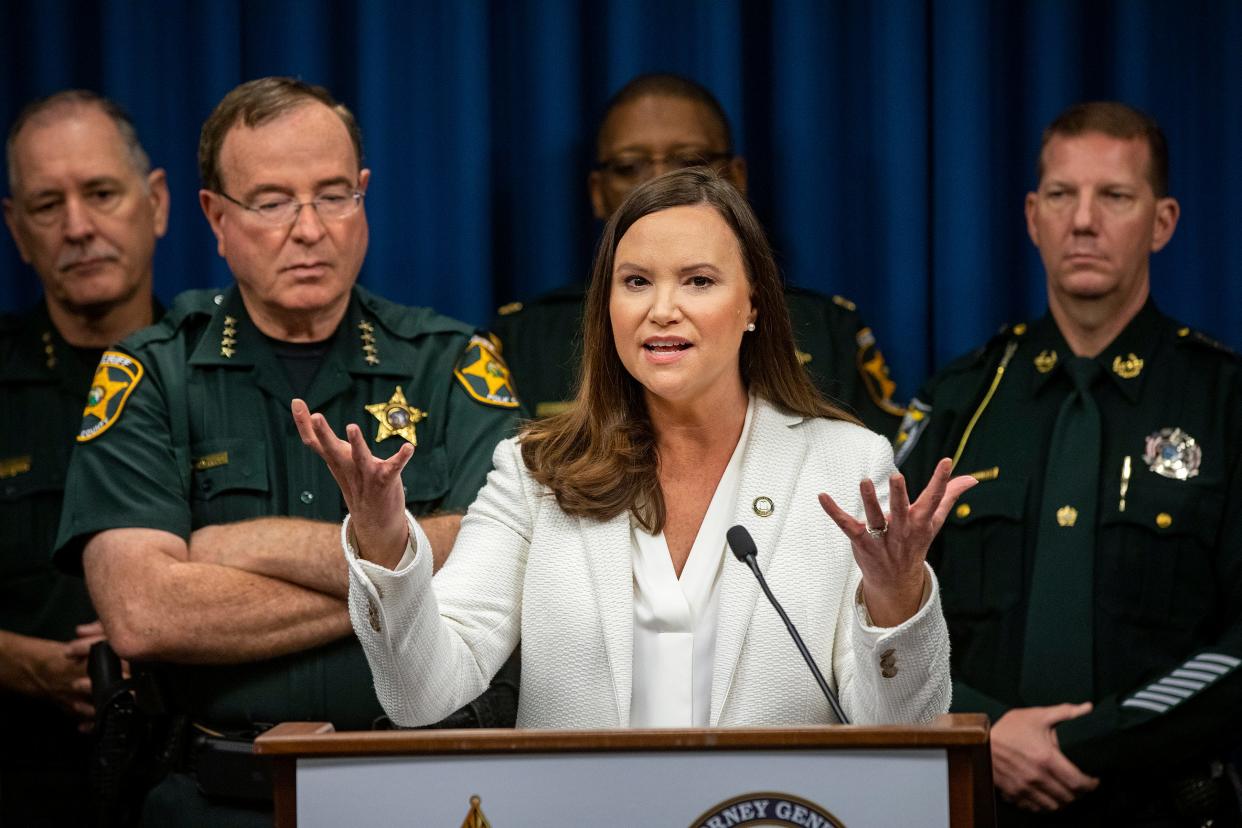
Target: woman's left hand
(890, 548)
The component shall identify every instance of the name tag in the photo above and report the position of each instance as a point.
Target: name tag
(210, 461)
(13, 466)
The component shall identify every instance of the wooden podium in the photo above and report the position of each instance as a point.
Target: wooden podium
(939, 774)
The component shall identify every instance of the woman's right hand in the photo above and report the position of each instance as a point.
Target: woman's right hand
(372, 487)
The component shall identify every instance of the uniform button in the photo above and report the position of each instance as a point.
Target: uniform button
(889, 653)
(963, 510)
(1164, 520)
(373, 615)
(888, 672)
(307, 497)
(218, 298)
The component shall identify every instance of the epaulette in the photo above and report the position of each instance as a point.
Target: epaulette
(407, 322)
(188, 305)
(1192, 337)
(987, 351)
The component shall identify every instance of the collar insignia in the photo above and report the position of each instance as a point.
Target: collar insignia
(1127, 368)
(1045, 361)
(1172, 453)
(228, 338)
(115, 379)
(1067, 516)
(49, 348)
(369, 353)
(396, 417)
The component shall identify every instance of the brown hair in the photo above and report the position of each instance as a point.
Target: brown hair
(599, 458)
(70, 99)
(1116, 120)
(255, 103)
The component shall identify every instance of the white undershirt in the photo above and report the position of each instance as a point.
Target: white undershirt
(675, 619)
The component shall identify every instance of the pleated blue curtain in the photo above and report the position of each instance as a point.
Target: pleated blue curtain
(890, 144)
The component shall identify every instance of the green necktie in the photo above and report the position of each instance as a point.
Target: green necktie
(1057, 656)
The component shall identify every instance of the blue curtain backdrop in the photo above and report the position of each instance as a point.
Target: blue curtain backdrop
(890, 143)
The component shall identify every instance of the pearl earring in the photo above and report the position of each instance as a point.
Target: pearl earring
(750, 327)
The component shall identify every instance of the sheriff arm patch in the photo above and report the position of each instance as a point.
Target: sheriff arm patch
(115, 379)
(484, 374)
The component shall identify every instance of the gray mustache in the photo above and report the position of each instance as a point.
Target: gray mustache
(78, 254)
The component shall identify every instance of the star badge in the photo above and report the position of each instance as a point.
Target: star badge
(396, 416)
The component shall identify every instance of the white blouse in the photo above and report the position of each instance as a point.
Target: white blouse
(675, 619)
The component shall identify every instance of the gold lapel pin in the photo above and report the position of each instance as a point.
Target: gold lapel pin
(763, 506)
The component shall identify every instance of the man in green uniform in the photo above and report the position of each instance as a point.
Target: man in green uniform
(654, 124)
(85, 211)
(208, 533)
(1093, 580)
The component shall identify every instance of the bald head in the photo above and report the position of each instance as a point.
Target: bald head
(654, 124)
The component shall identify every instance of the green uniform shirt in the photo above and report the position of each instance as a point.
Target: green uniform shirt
(1167, 606)
(204, 436)
(542, 342)
(43, 381)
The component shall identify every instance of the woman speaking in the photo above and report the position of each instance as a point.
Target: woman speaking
(598, 541)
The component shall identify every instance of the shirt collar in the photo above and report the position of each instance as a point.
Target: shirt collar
(1124, 360)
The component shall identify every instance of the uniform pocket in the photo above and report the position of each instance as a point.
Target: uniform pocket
(980, 562)
(228, 481)
(426, 479)
(1156, 558)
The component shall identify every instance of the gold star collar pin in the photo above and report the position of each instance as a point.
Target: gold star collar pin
(368, 344)
(396, 416)
(228, 338)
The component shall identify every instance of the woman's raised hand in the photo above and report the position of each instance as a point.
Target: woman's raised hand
(372, 487)
(890, 549)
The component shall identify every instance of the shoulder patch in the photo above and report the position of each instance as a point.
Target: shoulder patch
(845, 303)
(918, 415)
(115, 379)
(874, 373)
(509, 309)
(484, 374)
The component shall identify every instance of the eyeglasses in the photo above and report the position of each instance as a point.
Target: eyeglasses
(278, 210)
(641, 167)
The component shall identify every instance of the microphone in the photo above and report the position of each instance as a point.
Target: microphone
(743, 546)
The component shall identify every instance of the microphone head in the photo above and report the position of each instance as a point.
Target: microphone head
(740, 541)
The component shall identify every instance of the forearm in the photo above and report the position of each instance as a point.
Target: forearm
(1119, 736)
(306, 553)
(157, 607)
(19, 657)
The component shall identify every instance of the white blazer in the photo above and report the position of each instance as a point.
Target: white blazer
(523, 570)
